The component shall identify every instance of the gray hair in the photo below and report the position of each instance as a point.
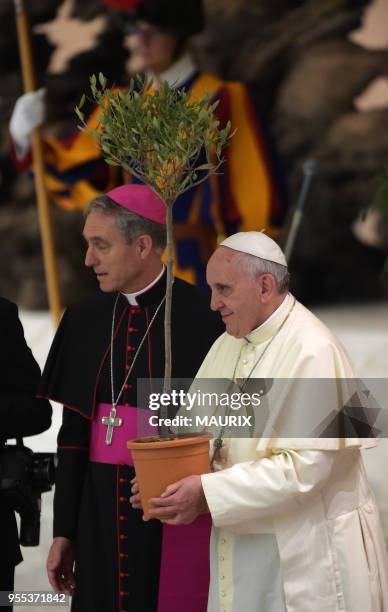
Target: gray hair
(255, 266)
(129, 223)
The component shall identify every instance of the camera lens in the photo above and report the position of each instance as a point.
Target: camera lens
(43, 471)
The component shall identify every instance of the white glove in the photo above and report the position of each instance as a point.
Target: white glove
(28, 113)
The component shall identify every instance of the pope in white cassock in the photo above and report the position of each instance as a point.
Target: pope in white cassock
(295, 526)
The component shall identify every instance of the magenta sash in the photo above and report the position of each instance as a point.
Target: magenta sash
(135, 423)
(184, 568)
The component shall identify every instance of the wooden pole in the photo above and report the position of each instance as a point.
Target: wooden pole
(310, 168)
(44, 212)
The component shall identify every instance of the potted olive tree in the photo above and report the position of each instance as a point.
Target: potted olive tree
(158, 136)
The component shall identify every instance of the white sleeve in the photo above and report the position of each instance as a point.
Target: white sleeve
(259, 489)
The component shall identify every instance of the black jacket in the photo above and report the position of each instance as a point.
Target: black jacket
(21, 414)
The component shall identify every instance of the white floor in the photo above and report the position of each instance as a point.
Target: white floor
(362, 329)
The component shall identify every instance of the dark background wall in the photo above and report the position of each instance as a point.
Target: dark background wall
(312, 82)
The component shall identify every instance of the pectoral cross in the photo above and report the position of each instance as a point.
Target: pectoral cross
(111, 421)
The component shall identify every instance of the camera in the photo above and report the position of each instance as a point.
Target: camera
(24, 476)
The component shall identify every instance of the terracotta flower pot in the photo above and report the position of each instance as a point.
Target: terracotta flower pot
(160, 462)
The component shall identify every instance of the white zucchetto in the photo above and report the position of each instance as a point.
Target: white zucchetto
(257, 244)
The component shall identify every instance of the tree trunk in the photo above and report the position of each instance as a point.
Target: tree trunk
(164, 430)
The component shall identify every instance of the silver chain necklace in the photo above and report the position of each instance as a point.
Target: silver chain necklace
(218, 442)
(114, 403)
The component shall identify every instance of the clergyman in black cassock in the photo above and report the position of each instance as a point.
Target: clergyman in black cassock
(118, 556)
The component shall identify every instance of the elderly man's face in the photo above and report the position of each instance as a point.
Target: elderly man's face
(235, 295)
(118, 266)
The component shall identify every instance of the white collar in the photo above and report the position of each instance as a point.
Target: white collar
(178, 73)
(131, 297)
(275, 313)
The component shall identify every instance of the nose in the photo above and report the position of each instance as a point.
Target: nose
(216, 303)
(90, 258)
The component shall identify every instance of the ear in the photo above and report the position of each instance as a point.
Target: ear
(267, 287)
(144, 244)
